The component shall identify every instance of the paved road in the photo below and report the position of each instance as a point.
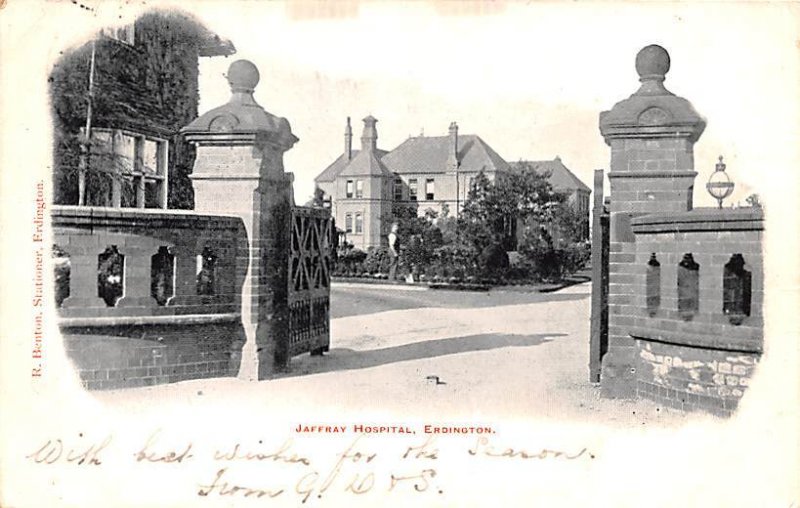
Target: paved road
(498, 352)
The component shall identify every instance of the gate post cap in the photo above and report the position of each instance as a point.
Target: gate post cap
(243, 76)
(652, 62)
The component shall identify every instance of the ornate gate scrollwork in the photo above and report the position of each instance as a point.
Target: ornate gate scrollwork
(310, 266)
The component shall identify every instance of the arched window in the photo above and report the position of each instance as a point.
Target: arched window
(110, 275)
(688, 287)
(736, 290)
(653, 285)
(162, 275)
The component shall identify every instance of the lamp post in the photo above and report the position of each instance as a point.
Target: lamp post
(719, 184)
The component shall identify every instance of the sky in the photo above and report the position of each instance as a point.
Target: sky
(530, 79)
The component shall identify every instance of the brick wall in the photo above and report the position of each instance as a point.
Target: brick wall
(121, 356)
(703, 361)
(137, 340)
(692, 378)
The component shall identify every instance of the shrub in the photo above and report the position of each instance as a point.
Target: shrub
(377, 260)
(493, 261)
(453, 260)
(350, 261)
(542, 261)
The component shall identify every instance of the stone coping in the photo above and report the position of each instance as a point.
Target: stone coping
(700, 219)
(716, 341)
(177, 320)
(69, 215)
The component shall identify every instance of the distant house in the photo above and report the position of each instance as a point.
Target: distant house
(133, 87)
(423, 172)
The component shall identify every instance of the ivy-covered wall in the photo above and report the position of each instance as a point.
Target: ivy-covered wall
(149, 87)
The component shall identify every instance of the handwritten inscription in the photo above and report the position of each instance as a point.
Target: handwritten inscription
(224, 488)
(150, 453)
(484, 447)
(282, 454)
(55, 450)
(364, 466)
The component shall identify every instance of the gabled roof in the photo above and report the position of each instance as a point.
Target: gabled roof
(429, 155)
(365, 163)
(330, 173)
(561, 178)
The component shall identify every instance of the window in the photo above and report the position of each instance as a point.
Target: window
(398, 188)
(359, 188)
(688, 287)
(429, 190)
(736, 290)
(348, 223)
(653, 285)
(412, 189)
(132, 167)
(359, 223)
(349, 189)
(124, 34)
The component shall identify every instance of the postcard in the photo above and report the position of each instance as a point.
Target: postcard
(483, 253)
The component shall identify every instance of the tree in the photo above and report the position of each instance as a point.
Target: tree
(317, 199)
(551, 230)
(754, 200)
(517, 196)
(569, 224)
(419, 236)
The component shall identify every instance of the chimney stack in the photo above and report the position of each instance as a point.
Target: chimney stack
(452, 152)
(348, 140)
(369, 138)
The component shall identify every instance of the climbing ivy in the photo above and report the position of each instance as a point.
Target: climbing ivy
(149, 87)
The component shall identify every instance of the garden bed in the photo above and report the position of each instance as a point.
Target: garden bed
(542, 287)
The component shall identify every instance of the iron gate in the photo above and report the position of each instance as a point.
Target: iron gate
(598, 333)
(310, 265)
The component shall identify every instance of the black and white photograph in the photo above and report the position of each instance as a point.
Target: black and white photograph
(363, 253)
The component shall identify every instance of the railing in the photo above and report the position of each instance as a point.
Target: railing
(708, 288)
(134, 265)
(148, 296)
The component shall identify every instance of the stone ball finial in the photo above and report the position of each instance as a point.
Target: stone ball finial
(243, 76)
(652, 62)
